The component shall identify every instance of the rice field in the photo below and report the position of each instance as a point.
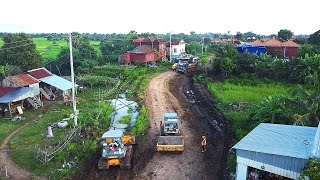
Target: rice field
(49, 50)
(236, 97)
(229, 92)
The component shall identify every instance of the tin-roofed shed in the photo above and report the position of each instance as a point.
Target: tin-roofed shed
(278, 149)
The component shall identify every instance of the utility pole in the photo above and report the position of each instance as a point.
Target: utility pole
(202, 44)
(170, 48)
(74, 104)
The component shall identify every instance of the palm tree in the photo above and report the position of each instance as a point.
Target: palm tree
(307, 103)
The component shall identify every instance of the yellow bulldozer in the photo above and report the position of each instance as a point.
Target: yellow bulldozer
(116, 150)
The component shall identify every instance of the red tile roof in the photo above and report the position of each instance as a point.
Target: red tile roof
(256, 43)
(290, 44)
(175, 43)
(138, 40)
(273, 43)
(39, 73)
(22, 80)
(5, 90)
(148, 39)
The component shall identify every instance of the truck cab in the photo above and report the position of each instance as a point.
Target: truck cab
(170, 125)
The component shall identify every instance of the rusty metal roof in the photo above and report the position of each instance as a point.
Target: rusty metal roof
(39, 73)
(22, 80)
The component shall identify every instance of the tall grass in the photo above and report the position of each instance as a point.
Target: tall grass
(236, 97)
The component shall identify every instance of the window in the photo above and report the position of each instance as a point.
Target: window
(175, 50)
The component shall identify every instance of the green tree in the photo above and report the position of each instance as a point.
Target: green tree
(315, 38)
(20, 50)
(285, 34)
(227, 66)
(307, 103)
(273, 110)
(312, 170)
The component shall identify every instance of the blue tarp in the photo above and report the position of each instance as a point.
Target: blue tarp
(17, 95)
(252, 49)
(58, 82)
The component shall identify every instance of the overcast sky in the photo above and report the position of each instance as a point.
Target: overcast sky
(121, 16)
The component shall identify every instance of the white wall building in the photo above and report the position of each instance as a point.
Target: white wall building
(177, 48)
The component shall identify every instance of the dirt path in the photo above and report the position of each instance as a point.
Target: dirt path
(170, 92)
(14, 171)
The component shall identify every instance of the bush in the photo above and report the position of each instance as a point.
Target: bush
(142, 122)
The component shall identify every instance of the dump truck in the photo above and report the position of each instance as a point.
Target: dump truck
(116, 150)
(182, 67)
(170, 139)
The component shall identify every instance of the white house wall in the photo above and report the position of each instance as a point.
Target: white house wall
(284, 166)
(35, 88)
(181, 48)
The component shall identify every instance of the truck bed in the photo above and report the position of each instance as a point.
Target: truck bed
(170, 143)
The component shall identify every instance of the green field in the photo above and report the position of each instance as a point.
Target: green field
(236, 97)
(49, 50)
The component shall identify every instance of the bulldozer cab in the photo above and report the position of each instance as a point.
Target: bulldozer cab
(112, 146)
(170, 125)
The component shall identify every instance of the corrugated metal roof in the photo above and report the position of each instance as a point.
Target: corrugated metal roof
(40, 73)
(5, 90)
(17, 94)
(22, 80)
(285, 140)
(57, 82)
(112, 134)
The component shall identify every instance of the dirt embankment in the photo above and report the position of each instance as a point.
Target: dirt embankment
(172, 92)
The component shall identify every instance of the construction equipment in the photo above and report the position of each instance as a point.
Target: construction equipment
(170, 139)
(185, 63)
(182, 67)
(116, 150)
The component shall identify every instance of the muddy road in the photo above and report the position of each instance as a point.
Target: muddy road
(172, 92)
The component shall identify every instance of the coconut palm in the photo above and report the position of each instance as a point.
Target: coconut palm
(306, 103)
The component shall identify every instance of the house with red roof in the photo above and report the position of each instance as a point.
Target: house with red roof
(158, 44)
(275, 47)
(142, 53)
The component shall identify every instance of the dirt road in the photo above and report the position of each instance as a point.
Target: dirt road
(14, 171)
(170, 92)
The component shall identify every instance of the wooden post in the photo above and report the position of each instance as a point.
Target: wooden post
(10, 109)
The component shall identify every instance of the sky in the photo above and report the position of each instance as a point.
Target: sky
(160, 17)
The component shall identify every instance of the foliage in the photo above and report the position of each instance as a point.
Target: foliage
(273, 110)
(142, 122)
(306, 103)
(227, 66)
(312, 170)
(285, 34)
(20, 50)
(315, 38)
(125, 119)
(194, 48)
